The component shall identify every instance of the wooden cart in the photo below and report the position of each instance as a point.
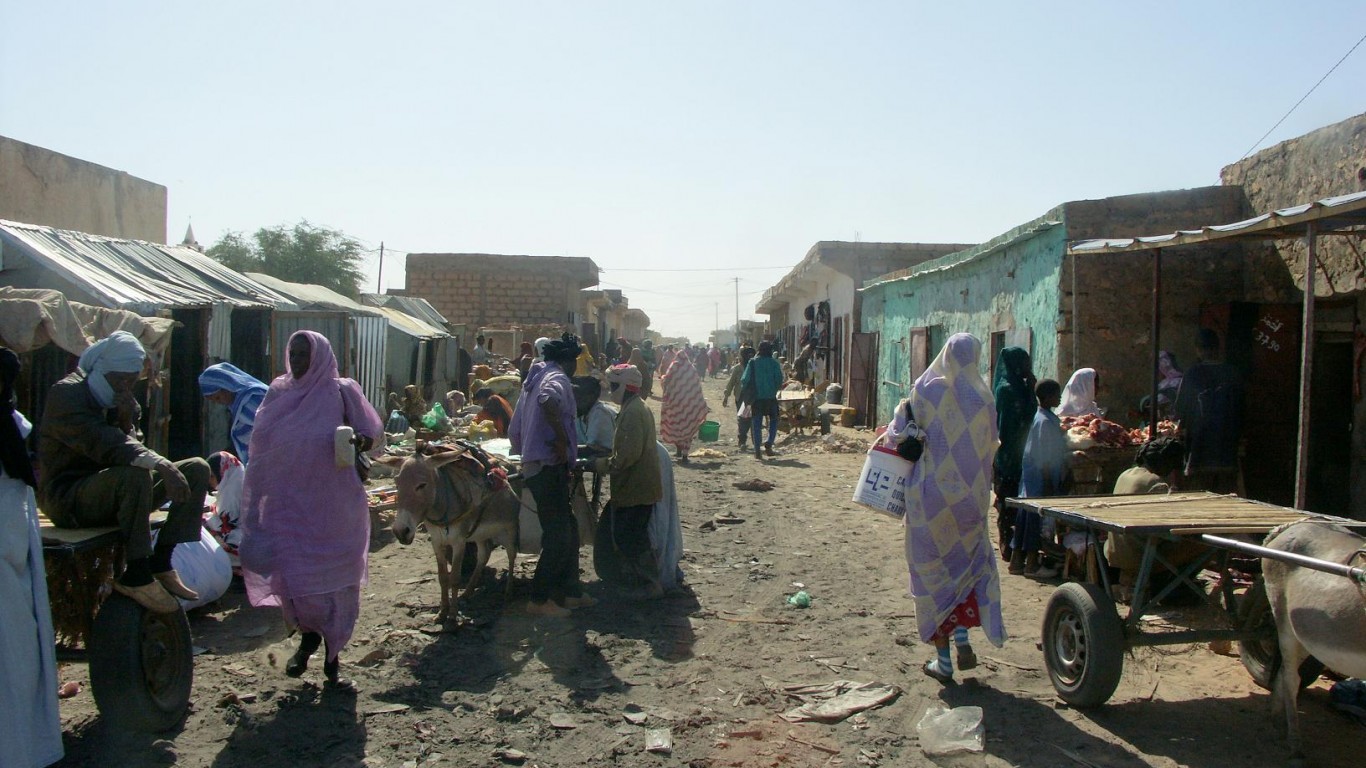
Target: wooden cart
(1084, 637)
(141, 663)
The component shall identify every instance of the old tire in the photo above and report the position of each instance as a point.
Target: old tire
(1261, 657)
(141, 666)
(1083, 644)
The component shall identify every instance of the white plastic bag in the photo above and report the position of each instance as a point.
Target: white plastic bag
(745, 411)
(948, 731)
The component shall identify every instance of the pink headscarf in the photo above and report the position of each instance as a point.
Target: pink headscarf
(305, 521)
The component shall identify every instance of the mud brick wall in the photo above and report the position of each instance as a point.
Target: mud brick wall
(1323, 163)
(1108, 320)
(496, 290)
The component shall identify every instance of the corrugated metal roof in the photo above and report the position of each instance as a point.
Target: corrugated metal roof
(137, 275)
(310, 296)
(316, 296)
(412, 305)
(1326, 215)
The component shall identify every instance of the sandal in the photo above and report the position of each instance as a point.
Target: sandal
(932, 669)
(334, 679)
(967, 658)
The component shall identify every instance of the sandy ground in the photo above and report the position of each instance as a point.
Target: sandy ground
(503, 688)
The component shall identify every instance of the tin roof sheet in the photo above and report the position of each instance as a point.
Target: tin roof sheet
(135, 274)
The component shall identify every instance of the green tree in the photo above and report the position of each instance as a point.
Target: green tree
(303, 253)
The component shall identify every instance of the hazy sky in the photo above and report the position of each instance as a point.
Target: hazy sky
(721, 137)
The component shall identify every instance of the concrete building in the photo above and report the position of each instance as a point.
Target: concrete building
(1024, 289)
(480, 289)
(39, 186)
(819, 297)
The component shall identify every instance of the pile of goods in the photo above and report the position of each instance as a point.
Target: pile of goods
(1086, 431)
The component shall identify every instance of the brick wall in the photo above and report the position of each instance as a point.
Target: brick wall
(496, 290)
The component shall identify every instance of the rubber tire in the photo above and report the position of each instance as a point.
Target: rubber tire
(1262, 658)
(141, 666)
(1082, 618)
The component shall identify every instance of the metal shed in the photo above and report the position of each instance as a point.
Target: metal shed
(221, 314)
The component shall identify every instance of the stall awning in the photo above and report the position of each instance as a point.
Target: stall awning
(136, 275)
(1327, 215)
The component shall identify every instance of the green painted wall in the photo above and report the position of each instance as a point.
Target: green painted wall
(1009, 283)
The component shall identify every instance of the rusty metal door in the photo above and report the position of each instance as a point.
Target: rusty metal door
(863, 377)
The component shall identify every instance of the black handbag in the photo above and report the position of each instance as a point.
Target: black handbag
(913, 447)
(363, 460)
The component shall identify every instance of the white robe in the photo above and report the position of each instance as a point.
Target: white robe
(666, 532)
(31, 729)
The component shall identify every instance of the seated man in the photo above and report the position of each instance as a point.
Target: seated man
(1156, 470)
(96, 472)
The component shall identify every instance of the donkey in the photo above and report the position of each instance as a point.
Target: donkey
(1317, 614)
(462, 496)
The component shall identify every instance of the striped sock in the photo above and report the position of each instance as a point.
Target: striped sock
(960, 636)
(945, 662)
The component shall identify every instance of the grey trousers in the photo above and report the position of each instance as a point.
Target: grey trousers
(126, 497)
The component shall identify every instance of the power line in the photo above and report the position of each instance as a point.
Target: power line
(1302, 98)
(697, 269)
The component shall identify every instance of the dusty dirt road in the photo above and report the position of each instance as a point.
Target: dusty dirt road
(504, 689)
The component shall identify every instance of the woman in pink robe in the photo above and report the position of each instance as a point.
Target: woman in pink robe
(305, 520)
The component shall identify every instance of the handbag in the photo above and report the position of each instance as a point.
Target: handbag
(363, 460)
(913, 446)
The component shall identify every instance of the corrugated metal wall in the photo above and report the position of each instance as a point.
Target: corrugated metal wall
(371, 336)
(334, 325)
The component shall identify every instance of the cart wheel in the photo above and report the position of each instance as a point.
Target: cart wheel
(141, 666)
(1261, 656)
(1083, 644)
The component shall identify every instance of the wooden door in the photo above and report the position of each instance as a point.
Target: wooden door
(863, 377)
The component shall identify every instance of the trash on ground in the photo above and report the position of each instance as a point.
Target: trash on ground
(833, 702)
(754, 485)
(562, 721)
(659, 740)
(707, 453)
(508, 755)
(68, 689)
(949, 731)
(801, 600)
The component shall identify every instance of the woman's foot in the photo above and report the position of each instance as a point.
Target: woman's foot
(298, 663)
(938, 671)
(967, 658)
(768, 449)
(334, 679)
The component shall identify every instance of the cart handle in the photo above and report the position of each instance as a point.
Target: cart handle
(1312, 563)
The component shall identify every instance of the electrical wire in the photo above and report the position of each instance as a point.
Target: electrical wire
(1302, 98)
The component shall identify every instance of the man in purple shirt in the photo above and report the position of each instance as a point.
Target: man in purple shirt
(543, 432)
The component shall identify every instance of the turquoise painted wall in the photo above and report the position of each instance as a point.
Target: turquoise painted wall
(1009, 283)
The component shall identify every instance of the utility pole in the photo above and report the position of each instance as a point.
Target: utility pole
(737, 312)
(379, 278)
